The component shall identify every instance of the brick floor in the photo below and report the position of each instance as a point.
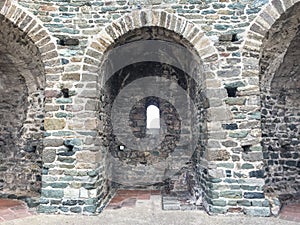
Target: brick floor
(291, 212)
(13, 209)
(128, 198)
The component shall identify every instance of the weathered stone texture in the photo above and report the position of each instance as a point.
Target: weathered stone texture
(55, 98)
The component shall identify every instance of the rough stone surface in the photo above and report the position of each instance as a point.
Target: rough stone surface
(55, 103)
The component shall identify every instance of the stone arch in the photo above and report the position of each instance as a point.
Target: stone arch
(148, 18)
(193, 36)
(271, 53)
(32, 28)
(252, 46)
(28, 53)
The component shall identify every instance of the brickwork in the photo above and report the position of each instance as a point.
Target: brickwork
(59, 50)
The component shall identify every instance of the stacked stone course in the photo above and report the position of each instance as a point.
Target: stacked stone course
(249, 144)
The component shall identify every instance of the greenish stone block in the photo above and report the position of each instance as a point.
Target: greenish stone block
(244, 203)
(70, 30)
(231, 194)
(64, 209)
(236, 54)
(73, 142)
(55, 202)
(226, 165)
(265, 203)
(63, 133)
(248, 187)
(71, 173)
(108, 9)
(255, 115)
(206, 12)
(241, 181)
(87, 133)
(247, 166)
(89, 186)
(61, 115)
(235, 84)
(92, 173)
(66, 178)
(253, 195)
(59, 185)
(52, 193)
(54, 25)
(116, 16)
(232, 203)
(214, 180)
(263, 212)
(57, 20)
(90, 201)
(194, 1)
(76, 209)
(63, 9)
(46, 19)
(82, 173)
(239, 175)
(235, 187)
(276, 201)
(217, 210)
(218, 5)
(43, 201)
(46, 209)
(256, 148)
(252, 11)
(170, 1)
(257, 203)
(65, 159)
(217, 202)
(240, 134)
(242, 25)
(239, 116)
(222, 27)
(97, 3)
(212, 194)
(230, 181)
(90, 209)
(64, 101)
(236, 6)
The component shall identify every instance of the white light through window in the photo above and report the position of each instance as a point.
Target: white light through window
(153, 118)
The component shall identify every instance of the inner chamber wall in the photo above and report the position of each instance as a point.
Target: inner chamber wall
(144, 168)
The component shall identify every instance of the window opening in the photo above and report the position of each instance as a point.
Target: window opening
(153, 117)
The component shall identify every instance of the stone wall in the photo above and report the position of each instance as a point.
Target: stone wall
(229, 37)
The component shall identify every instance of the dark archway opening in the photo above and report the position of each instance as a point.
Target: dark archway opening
(280, 86)
(22, 83)
(165, 160)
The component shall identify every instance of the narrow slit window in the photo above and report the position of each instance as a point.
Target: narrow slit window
(153, 117)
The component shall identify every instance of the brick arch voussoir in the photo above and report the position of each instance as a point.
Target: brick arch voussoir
(263, 23)
(144, 18)
(35, 30)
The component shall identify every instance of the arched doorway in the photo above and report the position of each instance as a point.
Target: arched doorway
(280, 92)
(144, 65)
(148, 158)
(22, 83)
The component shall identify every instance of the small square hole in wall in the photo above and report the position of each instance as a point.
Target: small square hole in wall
(246, 148)
(231, 91)
(121, 147)
(234, 38)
